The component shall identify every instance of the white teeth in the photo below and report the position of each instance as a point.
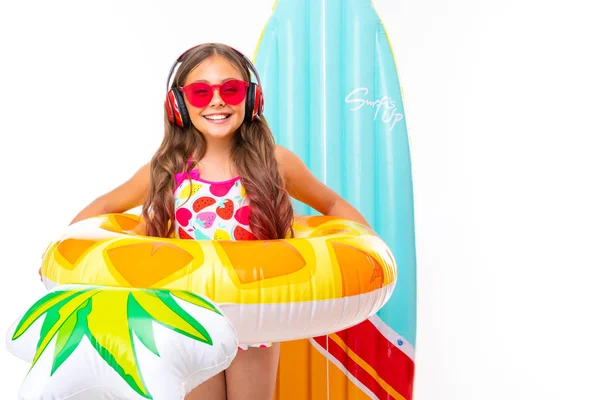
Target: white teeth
(215, 117)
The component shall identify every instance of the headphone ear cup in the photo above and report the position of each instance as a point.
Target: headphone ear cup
(259, 101)
(169, 100)
(182, 117)
(254, 102)
(250, 101)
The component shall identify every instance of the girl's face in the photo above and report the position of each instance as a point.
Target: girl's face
(218, 119)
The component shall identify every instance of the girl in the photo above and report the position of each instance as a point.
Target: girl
(239, 188)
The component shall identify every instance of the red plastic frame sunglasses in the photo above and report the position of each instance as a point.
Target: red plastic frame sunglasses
(199, 94)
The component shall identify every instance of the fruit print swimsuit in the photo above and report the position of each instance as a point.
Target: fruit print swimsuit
(206, 210)
(214, 211)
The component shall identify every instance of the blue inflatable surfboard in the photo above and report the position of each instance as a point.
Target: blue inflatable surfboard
(333, 97)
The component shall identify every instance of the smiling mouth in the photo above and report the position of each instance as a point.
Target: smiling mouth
(217, 117)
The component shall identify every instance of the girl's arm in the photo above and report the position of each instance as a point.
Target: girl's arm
(302, 185)
(128, 195)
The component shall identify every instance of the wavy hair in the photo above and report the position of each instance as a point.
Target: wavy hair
(253, 154)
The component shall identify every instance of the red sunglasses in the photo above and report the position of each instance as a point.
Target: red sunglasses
(199, 94)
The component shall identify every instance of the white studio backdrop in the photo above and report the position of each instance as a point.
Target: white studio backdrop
(501, 101)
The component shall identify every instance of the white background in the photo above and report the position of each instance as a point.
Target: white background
(501, 100)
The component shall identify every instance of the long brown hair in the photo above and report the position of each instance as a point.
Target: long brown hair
(253, 154)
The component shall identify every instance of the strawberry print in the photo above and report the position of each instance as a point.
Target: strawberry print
(212, 211)
(206, 219)
(225, 209)
(221, 189)
(203, 202)
(242, 215)
(240, 233)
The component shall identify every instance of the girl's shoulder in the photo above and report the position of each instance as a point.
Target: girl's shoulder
(290, 165)
(284, 158)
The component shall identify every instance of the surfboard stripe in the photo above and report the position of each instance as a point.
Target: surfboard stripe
(338, 369)
(369, 344)
(393, 337)
(327, 379)
(370, 370)
(358, 368)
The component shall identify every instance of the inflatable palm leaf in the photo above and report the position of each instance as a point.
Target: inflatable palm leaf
(109, 318)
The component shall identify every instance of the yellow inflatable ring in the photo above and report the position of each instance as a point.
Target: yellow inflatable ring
(334, 274)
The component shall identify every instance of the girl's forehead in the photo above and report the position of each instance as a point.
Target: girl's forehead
(214, 70)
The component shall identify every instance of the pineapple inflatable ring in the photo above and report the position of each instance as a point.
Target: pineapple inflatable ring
(334, 274)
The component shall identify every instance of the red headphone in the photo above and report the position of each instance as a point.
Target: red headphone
(175, 104)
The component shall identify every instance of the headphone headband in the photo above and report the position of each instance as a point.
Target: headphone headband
(178, 61)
